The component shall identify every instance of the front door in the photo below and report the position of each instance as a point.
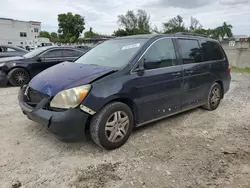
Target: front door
(157, 92)
(47, 59)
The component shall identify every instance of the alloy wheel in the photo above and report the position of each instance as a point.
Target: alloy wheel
(20, 78)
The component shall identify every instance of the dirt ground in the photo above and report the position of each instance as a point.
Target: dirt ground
(196, 149)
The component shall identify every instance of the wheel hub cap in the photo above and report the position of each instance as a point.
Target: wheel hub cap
(117, 126)
(215, 97)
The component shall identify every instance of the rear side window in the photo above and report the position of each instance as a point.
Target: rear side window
(71, 53)
(52, 54)
(190, 51)
(162, 50)
(211, 51)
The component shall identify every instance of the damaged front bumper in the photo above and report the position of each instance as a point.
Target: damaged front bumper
(67, 125)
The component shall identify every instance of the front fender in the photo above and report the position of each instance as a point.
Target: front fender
(101, 95)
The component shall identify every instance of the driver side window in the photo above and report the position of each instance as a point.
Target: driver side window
(163, 53)
(52, 54)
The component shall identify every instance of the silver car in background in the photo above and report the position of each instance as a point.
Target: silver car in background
(11, 51)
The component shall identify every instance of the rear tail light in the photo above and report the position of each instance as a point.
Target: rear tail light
(228, 68)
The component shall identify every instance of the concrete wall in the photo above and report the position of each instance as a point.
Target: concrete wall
(238, 55)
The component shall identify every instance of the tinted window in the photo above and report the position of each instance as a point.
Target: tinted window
(53, 54)
(163, 51)
(36, 52)
(190, 50)
(211, 51)
(70, 53)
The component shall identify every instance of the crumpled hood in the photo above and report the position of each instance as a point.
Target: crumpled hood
(66, 75)
(6, 59)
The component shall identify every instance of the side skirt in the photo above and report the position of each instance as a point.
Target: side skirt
(163, 117)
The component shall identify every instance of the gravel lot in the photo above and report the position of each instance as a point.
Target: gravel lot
(196, 149)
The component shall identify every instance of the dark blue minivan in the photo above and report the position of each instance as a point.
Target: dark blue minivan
(127, 82)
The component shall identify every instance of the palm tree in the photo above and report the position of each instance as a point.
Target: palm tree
(225, 29)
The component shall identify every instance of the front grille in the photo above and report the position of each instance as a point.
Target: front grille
(34, 97)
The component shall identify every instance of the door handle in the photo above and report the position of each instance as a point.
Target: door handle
(176, 74)
(189, 71)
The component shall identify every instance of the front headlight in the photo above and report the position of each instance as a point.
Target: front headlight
(70, 98)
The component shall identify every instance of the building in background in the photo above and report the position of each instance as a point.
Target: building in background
(19, 33)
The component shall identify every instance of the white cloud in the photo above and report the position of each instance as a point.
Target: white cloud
(234, 2)
(102, 14)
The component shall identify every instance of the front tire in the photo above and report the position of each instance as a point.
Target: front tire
(112, 126)
(18, 77)
(214, 97)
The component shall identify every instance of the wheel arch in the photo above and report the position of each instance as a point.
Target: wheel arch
(129, 102)
(20, 67)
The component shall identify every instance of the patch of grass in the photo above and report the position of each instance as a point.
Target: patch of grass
(235, 69)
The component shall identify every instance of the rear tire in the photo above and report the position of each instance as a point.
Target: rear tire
(214, 97)
(18, 77)
(112, 126)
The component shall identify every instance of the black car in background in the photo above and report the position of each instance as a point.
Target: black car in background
(11, 51)
(20, 69)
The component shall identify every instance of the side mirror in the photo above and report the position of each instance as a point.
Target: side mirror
(140, 70)
(40, 59)
(152, 64)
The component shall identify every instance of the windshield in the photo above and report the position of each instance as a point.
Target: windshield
(112, 53)
(35, 52)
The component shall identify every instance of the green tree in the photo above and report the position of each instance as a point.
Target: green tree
(174, 25)
(134, 23)
(225, 29)
(120, 33)
(200, 31)
(90, 33)
(45, 34)
(195, 24)
(53, 37)
(70, 27)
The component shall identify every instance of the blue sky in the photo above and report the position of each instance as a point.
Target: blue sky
(102, 14)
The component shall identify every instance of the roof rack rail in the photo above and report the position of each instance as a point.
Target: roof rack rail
(191, 34)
